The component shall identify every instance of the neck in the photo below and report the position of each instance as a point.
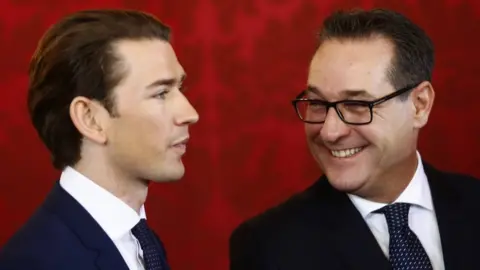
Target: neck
(131, 191)
(396, 180)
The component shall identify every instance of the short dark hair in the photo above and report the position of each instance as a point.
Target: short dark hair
(413, 58)
(76, 57)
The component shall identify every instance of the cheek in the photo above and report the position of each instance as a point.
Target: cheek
(139, 135)
(312, 131)
(152, 129)
(373, 135)
(385, 135)
(151, 120)
(401, 126)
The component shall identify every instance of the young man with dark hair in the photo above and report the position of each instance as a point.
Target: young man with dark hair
(105, 97)
(378, 204)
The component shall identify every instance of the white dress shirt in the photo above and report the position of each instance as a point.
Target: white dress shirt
(114, 216)
(421, 218)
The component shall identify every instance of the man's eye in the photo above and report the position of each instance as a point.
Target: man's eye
(162, 94)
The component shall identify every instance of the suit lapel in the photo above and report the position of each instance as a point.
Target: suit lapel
(359, 248)
(104, 251)
(110, 259)
(351, 235)
(457, 234)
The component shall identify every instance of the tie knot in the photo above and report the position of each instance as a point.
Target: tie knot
(396, 214)
(143, 233)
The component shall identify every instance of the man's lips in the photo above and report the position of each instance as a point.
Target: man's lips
(345, 151)
(181, 145)
(181, 142)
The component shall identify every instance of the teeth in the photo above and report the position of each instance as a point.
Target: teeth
(346, 152)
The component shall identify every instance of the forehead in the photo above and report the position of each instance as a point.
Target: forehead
(340, 66)
(147, 60)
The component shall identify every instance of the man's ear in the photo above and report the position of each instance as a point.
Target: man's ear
(90, 118)
(423, 97)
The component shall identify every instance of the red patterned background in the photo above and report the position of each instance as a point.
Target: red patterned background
(245, 61)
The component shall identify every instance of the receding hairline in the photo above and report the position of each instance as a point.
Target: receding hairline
(120, 64)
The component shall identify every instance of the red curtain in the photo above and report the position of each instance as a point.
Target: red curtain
(245, 61)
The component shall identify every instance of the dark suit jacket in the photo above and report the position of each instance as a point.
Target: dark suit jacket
(61, 235)
(320, 229)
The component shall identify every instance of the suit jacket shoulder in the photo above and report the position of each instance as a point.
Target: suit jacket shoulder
(61, 235)
(293, 234)
(297, 208)
(456, 200)
(287, 213)
(44, 242)
(320, 228)
(464, 185)
(453, 192)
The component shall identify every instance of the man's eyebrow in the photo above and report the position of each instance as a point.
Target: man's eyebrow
(356, 93)
(346, 93)
(166, 82)
(313, 89)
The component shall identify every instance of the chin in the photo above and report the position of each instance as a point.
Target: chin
(344, 178)
(346, 184)
(170, 174)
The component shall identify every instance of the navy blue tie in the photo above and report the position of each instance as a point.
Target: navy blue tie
(405, 250)
(152, 250)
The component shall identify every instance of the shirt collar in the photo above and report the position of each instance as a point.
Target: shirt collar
(416, 193)
(112, 214)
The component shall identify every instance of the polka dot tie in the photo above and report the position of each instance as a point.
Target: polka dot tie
(405, 250)
(152, 251)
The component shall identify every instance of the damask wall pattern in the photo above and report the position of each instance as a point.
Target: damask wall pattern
(245, 61)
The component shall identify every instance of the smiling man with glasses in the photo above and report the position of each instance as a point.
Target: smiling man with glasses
(378, 204)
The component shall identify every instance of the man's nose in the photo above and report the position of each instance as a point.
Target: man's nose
(187, 114)
(333, 128)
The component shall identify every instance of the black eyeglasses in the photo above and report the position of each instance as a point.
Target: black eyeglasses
(352, 112)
